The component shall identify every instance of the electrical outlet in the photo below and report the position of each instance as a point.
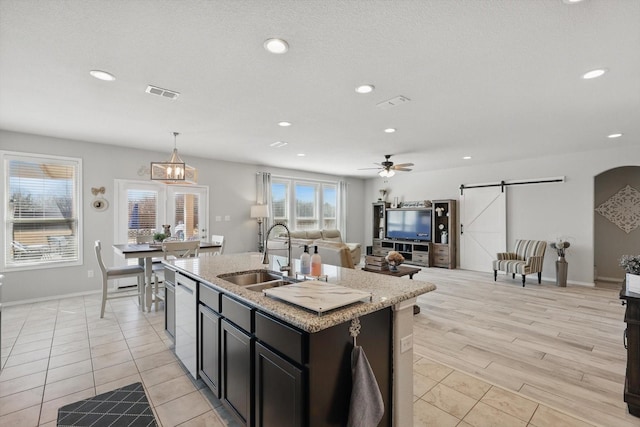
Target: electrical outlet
(406, 343)
(90, 273)
(218, 218)
(227, 217)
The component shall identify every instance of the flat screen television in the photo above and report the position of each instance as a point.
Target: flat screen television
(409, 224)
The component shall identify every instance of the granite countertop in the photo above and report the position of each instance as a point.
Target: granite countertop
(385, 290)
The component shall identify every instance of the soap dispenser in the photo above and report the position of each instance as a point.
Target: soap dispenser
(316, 263)
(305, 261)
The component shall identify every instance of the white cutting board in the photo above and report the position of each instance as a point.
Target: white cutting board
(317, 295)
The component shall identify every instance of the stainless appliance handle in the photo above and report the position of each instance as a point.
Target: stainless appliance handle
(188, 289)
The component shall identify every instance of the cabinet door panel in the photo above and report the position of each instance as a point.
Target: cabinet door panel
(237, 371)
(279, 388)
(209, 360)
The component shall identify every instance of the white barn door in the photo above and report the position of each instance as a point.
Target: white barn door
(483, 227)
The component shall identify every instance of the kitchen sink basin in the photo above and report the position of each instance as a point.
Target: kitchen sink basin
(271, 284)
(257, 280)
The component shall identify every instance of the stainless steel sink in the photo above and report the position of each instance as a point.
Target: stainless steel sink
(257, 280)
(271, 284)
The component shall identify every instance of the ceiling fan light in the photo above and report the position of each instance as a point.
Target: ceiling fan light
(387, 173)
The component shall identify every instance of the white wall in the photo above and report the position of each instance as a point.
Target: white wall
(541, 211)
(232, 192)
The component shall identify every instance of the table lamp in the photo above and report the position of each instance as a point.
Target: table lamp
(260, 212)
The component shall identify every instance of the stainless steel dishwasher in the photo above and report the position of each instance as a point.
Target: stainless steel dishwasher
(186, 320)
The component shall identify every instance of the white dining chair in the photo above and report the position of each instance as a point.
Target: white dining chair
(173, 249)
(111, 273)
(217, 240)
(156, 263)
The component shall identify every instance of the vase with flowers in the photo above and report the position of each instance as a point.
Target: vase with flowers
(560, 246)
(631, 266)
(562, 266)
(394, 259)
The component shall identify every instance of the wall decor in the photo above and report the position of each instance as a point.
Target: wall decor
(416, 204)
(99, 203)
(623, 209)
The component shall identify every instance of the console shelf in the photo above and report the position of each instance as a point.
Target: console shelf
(439, 252)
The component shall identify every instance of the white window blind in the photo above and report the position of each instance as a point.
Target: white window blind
(42, 215)
(142, 214)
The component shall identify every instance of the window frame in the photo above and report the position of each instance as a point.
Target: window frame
(77, 203)
(290, 203)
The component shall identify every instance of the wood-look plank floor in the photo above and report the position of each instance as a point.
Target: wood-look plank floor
(560, 346)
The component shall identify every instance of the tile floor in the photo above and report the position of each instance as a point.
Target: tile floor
(60, 351)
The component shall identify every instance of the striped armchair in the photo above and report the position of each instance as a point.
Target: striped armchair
(527, 258)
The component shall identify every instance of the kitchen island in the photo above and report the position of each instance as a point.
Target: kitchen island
(273, 363)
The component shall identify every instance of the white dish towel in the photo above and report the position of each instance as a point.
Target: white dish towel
(366, 407)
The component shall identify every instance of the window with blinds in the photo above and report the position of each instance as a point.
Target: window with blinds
(42, 202)
(142, 212)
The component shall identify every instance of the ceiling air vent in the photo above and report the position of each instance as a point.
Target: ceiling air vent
(166, 93)
(393, 102)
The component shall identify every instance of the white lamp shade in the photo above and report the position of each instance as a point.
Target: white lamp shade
(260, 211)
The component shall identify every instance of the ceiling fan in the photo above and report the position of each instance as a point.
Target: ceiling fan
(387, 168)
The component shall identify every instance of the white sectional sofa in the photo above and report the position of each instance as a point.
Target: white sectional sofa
(331, 247)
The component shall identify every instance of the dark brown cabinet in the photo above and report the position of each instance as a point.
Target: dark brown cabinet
(237, 372)
(209, 360)
(270, 373)
(632, 344)
(440, 251)
(445, 237)
(278, 390)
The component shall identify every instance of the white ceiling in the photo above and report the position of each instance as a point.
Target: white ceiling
(492, 79)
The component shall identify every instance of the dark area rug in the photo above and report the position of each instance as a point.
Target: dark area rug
(126, 406)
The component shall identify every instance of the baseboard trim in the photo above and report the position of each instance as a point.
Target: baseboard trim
(610, 279)
(50, 298)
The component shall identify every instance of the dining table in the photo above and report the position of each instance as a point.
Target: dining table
(144, 253)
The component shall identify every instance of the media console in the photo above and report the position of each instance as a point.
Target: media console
(438, 251)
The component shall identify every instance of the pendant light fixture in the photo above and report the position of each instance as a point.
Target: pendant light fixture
(174, 170)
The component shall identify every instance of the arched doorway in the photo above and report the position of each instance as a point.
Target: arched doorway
(616, 220)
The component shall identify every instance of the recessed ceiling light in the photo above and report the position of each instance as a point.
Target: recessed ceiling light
(102, 75)
(466, 158)
(390, 130)
(594, 73)
(614, 135)
(276, 46)
(278, 144)
(571, 1)
(301, 154)
(284, 124)
(365, 88)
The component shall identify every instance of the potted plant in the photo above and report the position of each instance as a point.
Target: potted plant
(395, 259)
(561, 264)
(159, 237)
(560, 246)
(631, 266)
